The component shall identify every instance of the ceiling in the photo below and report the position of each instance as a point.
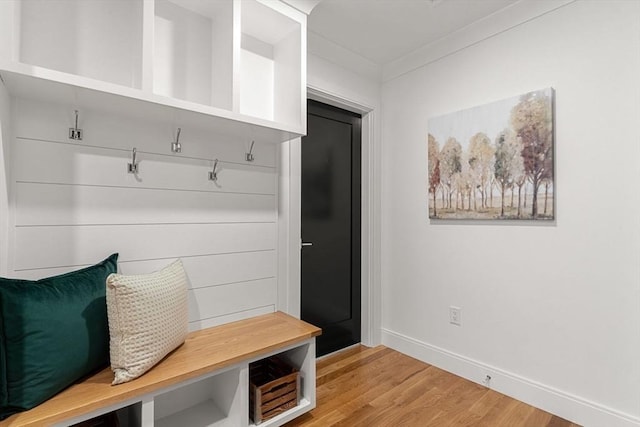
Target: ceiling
(385, 30)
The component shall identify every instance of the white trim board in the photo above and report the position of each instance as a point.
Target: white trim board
(339, 101)
(558, 402)
(289, 227)
(5, 178)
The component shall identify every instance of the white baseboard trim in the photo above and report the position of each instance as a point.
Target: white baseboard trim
(560, 403)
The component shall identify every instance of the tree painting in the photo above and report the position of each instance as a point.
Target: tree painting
(496, 160)
(434, 170)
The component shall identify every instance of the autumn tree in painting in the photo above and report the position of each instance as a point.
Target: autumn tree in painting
(508, 166)
(465, 183)
(450, 167)
(521, 180)
(547, 179)
(481, 164)
(531, 119)
(434, 169)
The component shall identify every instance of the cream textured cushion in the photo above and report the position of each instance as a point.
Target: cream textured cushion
(148, 318)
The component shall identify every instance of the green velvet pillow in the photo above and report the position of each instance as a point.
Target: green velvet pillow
(53, 332)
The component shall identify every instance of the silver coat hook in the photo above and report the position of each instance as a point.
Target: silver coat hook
(74, 132)
(133, 166)
(176, 147)
(213, 175)
(249, 156)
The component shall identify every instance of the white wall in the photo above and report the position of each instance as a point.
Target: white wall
(551, 311)
(73, 204)
(350, 85)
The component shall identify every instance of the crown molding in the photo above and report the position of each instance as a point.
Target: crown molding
(304, 6)
(517, 14)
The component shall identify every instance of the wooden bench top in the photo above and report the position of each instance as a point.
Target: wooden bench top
(203, 352)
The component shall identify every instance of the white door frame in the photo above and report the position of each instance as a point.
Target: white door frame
(289, 219)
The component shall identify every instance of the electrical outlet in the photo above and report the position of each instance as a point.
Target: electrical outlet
(487, 380)
(455, 314)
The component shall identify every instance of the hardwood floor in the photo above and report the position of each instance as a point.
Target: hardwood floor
(381, 387)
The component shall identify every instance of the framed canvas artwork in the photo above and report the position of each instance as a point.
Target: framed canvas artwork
(494, 161)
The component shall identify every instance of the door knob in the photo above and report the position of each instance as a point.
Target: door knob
(303, 244)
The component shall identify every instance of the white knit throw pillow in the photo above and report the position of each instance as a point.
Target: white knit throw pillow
(148, 318)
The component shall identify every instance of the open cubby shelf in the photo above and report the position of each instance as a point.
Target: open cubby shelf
(214, 401)
(233, 61)
(219, 399)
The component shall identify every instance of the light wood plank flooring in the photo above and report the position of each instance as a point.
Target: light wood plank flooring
(381, 387)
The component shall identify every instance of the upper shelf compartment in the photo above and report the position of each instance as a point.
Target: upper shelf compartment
(237, 66)
(193, 51)
(270, 66)
(100, 39)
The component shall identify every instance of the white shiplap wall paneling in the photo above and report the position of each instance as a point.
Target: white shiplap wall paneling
(53, 246)
(43, 161)
(203, 270)
(68, 204)
(39, 120)
(205, 303)
(74, 204)
(230, 317)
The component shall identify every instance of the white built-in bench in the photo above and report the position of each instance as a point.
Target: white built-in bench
(203, 382)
